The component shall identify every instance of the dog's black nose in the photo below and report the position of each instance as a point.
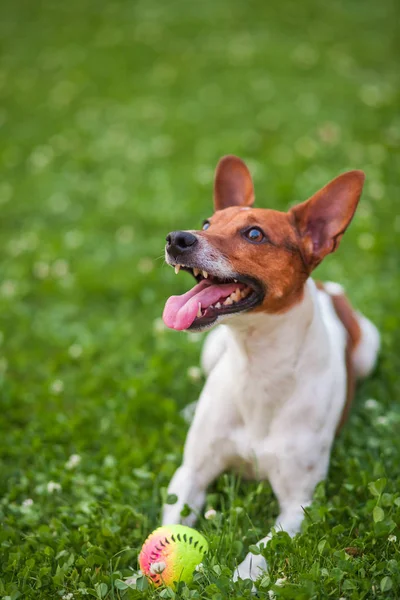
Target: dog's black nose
(179, 242)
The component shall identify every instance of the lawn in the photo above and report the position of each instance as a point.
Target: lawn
(113, 115)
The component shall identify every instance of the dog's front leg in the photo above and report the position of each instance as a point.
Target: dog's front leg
(293, 476)
(209, 448)
(205, 457)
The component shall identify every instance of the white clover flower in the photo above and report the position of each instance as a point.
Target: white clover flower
(109, 461)
(366, 240)
(188, 412)
(73, 461)
(75, 351)
(203, 174)
(371, 404)
(73, 239)
(60, 268)
(68, 596)
(371, 95)
(392, 538)
(58, 203)
(376, 190)
(27, 502)
(125, 234)
(329, 133)
(145, 265)
(40, 157)
(194, 373)
(199, 568)
(158, 325)
(41, 269)
(194, 338)
(8, 289)
(15, 247)
(306, 147)
(210, 514)
(57, 386)
(52, 486)
(158, 567)
(383, 420)
(305, 55)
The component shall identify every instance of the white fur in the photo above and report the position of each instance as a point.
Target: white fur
(206, 257)
(274, 395)
(366, 352)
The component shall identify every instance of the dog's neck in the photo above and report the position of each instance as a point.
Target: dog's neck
(263, 334)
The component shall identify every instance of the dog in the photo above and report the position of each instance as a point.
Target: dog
(282, 363)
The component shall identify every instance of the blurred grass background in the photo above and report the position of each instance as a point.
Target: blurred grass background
(113, 115)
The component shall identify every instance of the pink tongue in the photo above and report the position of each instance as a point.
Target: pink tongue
(180, 311)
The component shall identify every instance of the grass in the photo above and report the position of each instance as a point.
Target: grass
(113, 115)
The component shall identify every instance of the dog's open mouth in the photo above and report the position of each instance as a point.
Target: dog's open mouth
(210, 298)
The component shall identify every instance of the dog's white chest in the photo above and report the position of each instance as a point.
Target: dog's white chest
(261, 386)
(260, 391)
(274, 382)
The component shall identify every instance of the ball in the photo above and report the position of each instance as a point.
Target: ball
(171, 554)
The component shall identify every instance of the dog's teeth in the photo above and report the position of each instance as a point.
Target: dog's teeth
(196, 271)
(177, 269)
(235, 281)
(218, 305)
(205, 274)
(228, 301)
(199, 311)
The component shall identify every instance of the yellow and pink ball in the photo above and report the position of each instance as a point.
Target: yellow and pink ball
(171, 553)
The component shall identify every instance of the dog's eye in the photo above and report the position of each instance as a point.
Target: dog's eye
(206, 224)
(255, 235)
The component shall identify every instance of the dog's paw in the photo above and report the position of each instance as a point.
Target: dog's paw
(251, 568)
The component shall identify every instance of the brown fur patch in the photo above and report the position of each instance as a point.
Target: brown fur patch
(277, 261)
(346, 314)
(322, 220)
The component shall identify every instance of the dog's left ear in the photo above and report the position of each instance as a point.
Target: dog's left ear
(233, 185)
(322, 220)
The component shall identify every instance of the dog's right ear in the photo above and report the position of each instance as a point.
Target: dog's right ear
(322, 219)
(233, 185)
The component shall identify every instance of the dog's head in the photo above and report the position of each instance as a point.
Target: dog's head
(253, 259)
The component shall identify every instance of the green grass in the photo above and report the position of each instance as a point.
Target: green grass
(113, 115)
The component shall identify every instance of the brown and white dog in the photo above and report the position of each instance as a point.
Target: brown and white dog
(281, 368)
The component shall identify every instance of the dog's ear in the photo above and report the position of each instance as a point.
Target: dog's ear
(322, 220)
(233, 185)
